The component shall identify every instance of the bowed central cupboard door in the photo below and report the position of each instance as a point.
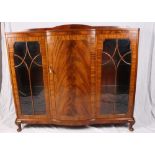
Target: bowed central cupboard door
(72, 74)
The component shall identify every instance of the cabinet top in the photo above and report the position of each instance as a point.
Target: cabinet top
(72, 27)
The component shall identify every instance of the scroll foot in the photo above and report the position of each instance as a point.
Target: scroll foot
(131, 123)
(18, 123)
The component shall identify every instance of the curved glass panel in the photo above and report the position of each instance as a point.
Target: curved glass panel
(29, 75)
(115, 76)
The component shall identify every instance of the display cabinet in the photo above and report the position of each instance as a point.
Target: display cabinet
(74, 75)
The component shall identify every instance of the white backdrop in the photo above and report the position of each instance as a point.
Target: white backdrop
(144, 112)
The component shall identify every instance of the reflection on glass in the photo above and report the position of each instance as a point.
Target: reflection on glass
(29, 74)
(115, 76)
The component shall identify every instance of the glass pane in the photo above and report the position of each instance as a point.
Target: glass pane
(115, 76)
(29, 74)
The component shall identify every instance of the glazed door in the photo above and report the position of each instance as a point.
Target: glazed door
(28, 64)
(116, 71)
(71, 67)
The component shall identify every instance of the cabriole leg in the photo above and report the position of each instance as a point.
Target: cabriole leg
(131, 123)
(18, 123)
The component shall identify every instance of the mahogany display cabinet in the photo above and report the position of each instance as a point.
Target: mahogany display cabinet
(74, 75)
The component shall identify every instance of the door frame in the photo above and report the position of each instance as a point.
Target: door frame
(11, 38)
(133, 36)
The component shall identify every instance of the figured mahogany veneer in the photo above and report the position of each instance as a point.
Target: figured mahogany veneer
(74, 75)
